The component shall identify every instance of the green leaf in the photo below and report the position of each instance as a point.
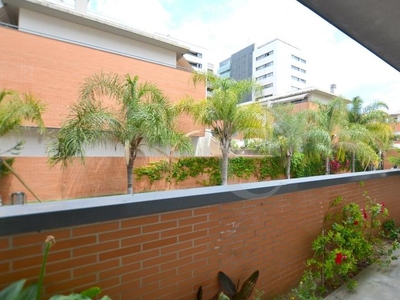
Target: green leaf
(13, 291)
(28, 293)
(92, 292)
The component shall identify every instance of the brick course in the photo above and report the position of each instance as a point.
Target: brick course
(168, 255)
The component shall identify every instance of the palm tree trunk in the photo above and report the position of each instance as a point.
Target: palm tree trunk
(129, 176)
(225, 147)
(353, 162)
(327, 169)
(288, 158)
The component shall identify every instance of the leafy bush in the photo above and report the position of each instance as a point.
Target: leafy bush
(350, 240)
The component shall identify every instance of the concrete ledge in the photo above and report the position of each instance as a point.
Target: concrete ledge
(15, 219)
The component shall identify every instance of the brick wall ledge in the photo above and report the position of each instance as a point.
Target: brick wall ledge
(16, 219)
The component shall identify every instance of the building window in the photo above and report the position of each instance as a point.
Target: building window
(298, 59)
(196, 54)
(196, 65)
(264, 66)
(294, 88)
(264, 76)
(265, 55)
(298, 79)
(267, 86)
(298, 69)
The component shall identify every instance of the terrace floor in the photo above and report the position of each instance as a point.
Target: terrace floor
(374, 283)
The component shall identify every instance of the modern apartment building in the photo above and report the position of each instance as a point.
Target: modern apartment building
(277, 66)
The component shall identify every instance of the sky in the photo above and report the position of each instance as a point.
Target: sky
(224, 27)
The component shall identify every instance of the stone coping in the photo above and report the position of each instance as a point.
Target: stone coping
(16, 219)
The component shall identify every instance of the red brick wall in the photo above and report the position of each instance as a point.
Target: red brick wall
(98, 176)
(54, 71)
(167, 256)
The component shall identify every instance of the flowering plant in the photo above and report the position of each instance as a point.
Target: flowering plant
(350, 240)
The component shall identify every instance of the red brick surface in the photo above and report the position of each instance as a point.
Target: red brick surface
(54, 71)
(168, 256)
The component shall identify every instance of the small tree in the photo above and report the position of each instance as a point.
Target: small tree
(141, 114)
(223, 114)
(289, 131)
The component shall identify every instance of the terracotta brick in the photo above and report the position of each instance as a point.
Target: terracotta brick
(119, 270)
(96, 267)
(75, 284)
(71, 263)
(176, 231)
(40, 238)
(159, 226)
(160, 243)
(91, 229)
(138, 257)
(158, 260)
(139, 221)
(193, 220)
(176, 215)
(140, 239)
(176, 247)
(127, 277)
(16, 253)
(4, 243)
(95, 248)
(115, 235)
(119, 252)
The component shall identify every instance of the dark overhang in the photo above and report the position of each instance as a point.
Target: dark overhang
(375, 24)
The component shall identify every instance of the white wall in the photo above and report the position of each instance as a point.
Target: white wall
(32, 21)
(282, 67)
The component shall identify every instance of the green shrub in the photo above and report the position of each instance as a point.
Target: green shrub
(350, 240)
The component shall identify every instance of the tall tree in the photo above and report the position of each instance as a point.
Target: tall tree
(289, 131)
(222, 113)
(373, 118)
(140, 114)
(323, 138)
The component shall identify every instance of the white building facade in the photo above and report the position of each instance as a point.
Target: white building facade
(278, 67)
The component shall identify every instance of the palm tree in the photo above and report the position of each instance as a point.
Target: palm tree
(323, 138)
(374, 120)
(289, 131)
(223, 114)
(140, 114)
(14, 110)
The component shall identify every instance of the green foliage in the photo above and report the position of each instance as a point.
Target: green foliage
(350, 240)
(18, 291)
(3, 169)
(184, 168)
(305, 167)
(391, 231)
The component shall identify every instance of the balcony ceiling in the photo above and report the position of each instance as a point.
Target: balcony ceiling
(375, 24)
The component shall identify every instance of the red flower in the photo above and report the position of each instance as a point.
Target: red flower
(339, 258)
(382, 207)
(355, 222)
(365, 214)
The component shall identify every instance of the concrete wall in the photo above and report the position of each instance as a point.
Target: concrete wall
(57, 28)
(164, 245)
